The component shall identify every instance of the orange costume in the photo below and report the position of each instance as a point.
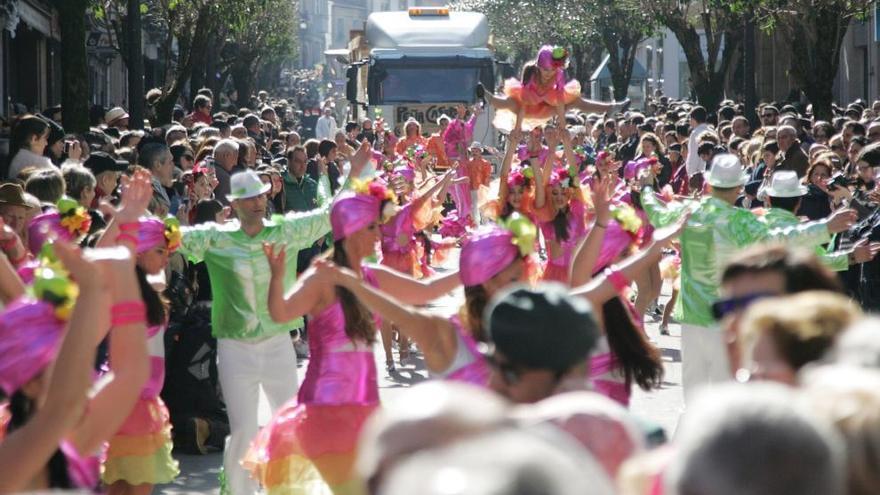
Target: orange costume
(537, 98)
(436, 149)
(405, 143)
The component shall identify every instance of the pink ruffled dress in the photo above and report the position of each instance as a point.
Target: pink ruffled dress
(140, 452)
(540, 101)
(405, 258)
(468, 365)
(557, 268)
(83, 471)
(310, 444)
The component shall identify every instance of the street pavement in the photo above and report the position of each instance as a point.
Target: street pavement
(199, 474)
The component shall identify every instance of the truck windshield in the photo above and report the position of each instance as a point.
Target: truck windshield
(419, 82)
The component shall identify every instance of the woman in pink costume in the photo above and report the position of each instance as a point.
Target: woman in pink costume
(309, 446)
(31, 456)
(562, 217)
(401, 250)
(457, 138)
(534, 99)
(623, 355)
(139, 455)
(515, 187)
(492, 258)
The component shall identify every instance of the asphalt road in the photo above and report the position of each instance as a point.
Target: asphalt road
(199, 473)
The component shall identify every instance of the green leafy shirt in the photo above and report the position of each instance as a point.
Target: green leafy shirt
(715, 232)
(778, 217)
(239, 271)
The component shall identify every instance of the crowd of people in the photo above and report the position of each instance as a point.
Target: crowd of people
(155, 282)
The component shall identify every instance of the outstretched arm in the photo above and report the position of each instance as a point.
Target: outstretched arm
(601, 289)
(411, 291)
(425, 329)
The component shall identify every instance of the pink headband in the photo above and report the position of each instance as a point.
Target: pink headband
(151, 233)
(486, 253)
(44, 227)
(30, 334)
(406, 172)
(616, 241)
(353, 212)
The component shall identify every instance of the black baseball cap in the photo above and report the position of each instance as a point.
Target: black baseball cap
(541, 328)
(98, 162)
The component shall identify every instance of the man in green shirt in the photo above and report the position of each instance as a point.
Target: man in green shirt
(784, 197)
(715, 231)
(253, 351)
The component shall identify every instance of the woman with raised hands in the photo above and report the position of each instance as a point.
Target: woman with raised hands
(34, 380)
(309, 446)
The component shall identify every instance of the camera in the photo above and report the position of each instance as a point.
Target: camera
(839, 180)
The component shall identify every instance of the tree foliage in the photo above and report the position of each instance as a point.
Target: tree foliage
(586, 27)
(722, 27)
(814, 32)
(245, 35)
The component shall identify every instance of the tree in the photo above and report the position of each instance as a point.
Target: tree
(814, 31)
(74, 66)
(722, 27)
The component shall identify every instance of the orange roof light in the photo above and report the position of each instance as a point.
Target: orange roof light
(428, 11)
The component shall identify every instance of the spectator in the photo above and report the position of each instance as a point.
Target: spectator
(202, 107)
(327, 156)
(769, 116)
(754, 440)
(29, 138)
(116, 118)
(791, 155)
(155, 157)
(698, 125)
(741, 127)
(14, 208)
(326, 126)
(107, 171)
(226, 164)
(47, 185)
(80, 184)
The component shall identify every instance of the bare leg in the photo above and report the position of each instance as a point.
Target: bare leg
(592, 106)
(648, 288)
(387, 332)
(667, 313)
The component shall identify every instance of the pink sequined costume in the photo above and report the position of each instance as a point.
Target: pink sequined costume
(456, 138)
(309, 446)
(140, 452)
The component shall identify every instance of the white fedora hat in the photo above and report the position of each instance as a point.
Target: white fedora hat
(785, 184)
(726, 172)
(247, 184)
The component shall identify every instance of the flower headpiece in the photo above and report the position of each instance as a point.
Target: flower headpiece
(552, 57)
(493, 248)
(627, 217)
(516, 179)
(563, 177)
(154, 232)
(416, 152)
(366, 202)
(74, 217)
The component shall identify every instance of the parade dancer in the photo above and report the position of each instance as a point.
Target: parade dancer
(539, 91)
(253, 351)
(457, 138)
(515, 187)
(400, 247)
(139, 455)
(562, 217)
(623, 355)
(109, 297)
(309, 446)
(717, 230)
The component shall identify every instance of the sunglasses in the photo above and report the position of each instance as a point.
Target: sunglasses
(768, 115)
(724, 307)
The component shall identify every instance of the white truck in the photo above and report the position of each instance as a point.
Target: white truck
(420, 63)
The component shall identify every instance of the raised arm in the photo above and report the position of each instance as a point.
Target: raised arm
(602, 288)
(136, 195)
(426, 329)
(129, 364)
(588, 251)
(441, 184)
(27, 450)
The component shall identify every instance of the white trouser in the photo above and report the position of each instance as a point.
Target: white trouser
(243, 368)
(475, 208)
(704, 359)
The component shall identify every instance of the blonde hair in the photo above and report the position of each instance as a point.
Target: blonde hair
(802, 327)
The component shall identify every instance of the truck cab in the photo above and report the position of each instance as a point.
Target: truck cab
(420, 63)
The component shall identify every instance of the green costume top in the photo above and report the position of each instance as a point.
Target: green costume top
(240, 273)
(714, 233)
